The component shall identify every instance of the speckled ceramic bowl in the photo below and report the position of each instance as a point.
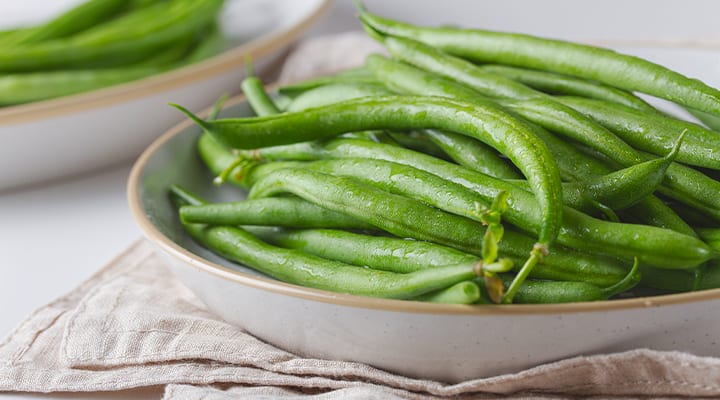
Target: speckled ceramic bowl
(441, 342)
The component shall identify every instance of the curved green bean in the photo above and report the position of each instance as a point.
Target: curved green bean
(464, 150)
(558, 84)
(653, 133)
(603, 65)
(403, 112)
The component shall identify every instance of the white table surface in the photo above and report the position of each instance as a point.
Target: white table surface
(54, 236)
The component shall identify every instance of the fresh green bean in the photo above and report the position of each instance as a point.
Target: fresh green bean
(299, 88)
(472, 154)
(329, 94)
(77, 19)
(474, 85)
(504, 133)
(418, 141)
(624, 188)
(711, 236)
(392, 213)
(285, 212)
(23, 88)
(654, 246)
(653, 133)
(681, 281)
(678, 186)
(546, 292)
(603, 65)
(122, 41)
(306, 270)
(351, 148)
(462, 149)
(259, 100)
(460, 293)
(402, 255)
(559, 84)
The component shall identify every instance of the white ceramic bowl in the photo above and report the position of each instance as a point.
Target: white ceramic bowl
(56, 138)
(448, 343)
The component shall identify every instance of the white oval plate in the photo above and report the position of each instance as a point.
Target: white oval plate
(56, 138)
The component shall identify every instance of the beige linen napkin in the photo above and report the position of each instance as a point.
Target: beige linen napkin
(132, 325)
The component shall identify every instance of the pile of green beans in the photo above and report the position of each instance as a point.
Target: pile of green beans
(525, 168)
(100, 43)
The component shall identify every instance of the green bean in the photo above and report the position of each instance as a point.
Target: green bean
(537, 109)
(402, 255)
(77, 19)
(681, 281)
(578, 231)
(624, 188)
(27, 87)
(617, 190)
(350, 148)
(380, 253)
(653, 133)
(576, 166)
(211, 43)
(254, 91)
(488, 124)
(403, 77)
(598, 64)
(329, 94)
(297, 89)
(553, 83)
(392, 213)
(474, 84)
(377, 252)
(464, 150)
(306, 270)
(709, 120)
(418, 141)
(122, 41)
(460, 293)
(711, 236)
(403, 112)
(472, 154)
(285, 212)
(23, 88)
(546, 292)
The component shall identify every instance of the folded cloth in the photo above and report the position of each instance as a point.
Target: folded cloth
(132, 325)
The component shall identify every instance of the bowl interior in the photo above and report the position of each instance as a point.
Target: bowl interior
(178, 162)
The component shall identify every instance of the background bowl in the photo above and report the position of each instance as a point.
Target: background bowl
(448, 343)
(55, 138)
